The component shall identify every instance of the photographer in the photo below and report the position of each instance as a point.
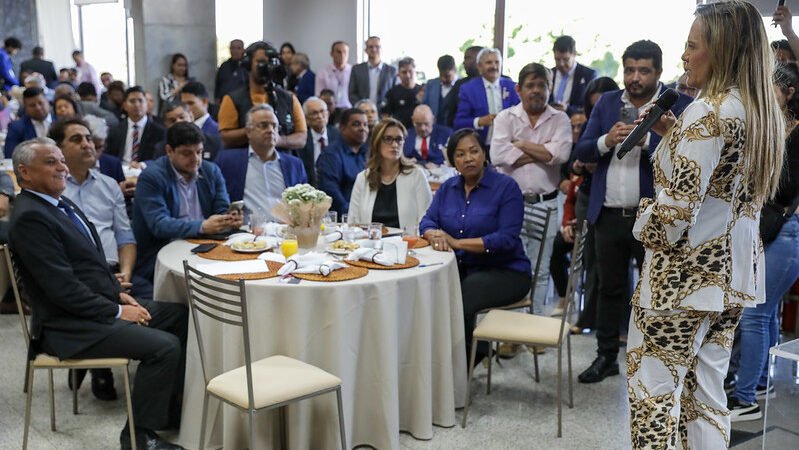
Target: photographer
(264, 63)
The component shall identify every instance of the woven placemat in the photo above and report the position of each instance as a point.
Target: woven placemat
(347, 273)
(203, 241)
(273, 268)
(225, 253)
(421, 243)
(410, 261)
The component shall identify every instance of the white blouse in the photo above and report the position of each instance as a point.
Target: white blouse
(701, 231)
(413, 198)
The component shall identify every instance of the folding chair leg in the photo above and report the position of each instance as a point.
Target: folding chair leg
(29, 390)
(469, 383)
(569, 355)
(560, 389)
(488, 384)
(496, 354)
(284, 434)
(52, 400)
(73, 374)
(341, 428)
(535, 361)
(204, 420)
(128, 398)
(252, 429)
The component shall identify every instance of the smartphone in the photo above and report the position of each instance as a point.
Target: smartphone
(236, 206)
(203, 248)
(628, 114)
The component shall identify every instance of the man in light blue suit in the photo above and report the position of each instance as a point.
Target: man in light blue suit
(259, 174)
(438, 92)
(481, 99)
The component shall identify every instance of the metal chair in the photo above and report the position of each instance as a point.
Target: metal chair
(272, 382)
(49, 362)
(530, 329)
(536, 223)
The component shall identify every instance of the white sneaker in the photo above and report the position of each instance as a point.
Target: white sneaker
(557, 312)
(760, 392)
(743, 412)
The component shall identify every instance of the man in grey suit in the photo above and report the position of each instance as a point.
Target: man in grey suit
(373, 78)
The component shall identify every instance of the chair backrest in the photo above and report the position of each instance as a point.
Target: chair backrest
(223, 301)
(575, 273)
(12, 277)
(536, 223)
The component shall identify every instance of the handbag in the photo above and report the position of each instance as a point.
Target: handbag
(773, 217)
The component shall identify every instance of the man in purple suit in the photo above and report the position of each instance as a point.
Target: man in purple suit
(481, 99)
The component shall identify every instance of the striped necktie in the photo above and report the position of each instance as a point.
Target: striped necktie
(134, 144)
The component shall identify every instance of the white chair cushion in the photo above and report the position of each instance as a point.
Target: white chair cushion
(276, 379)
(45, 360)
(511, 326)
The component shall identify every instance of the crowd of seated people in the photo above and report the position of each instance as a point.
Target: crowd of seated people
(139, 175)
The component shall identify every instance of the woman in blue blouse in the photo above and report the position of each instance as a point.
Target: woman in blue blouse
(478, 215)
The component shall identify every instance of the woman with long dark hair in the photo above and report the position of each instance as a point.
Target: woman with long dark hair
(171, 83)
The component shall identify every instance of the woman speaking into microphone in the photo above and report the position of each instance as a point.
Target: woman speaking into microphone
(713, 170)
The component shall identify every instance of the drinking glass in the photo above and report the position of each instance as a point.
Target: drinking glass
(289, 246)
(347, 232)
(375, 233)
(410, 234)
(257, 224)
(329, 221)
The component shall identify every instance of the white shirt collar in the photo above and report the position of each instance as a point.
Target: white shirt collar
(251, 152)
(201, 121)
(487, 83)
(141, 123)
(316, 135)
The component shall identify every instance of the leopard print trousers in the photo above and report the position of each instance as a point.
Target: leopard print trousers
(676, 364)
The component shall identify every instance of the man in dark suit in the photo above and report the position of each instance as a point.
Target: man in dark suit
(427, 140)
(339, 165)
(34, 123)
(472, 72)
(373, 78)
(40, 65)
(194, 95)
(321, 134)
(439, 93)
(179, 195)
(79, 308)
(133, 139)
(259, 174)
(571, 77)
(175, 113)
(616, 188)
(480, 100)
(306, 79)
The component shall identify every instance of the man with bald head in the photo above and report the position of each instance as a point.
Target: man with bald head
(320, 134)
(427, 140)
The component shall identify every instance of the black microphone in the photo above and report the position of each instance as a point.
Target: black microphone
(663, 104)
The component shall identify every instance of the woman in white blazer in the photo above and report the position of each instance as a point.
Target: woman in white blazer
(391, 190)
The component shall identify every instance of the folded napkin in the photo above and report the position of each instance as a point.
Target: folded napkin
(372, 255)
(338, 234)
(274, 257)
(224, 268)
(314, 262)
(244, 237)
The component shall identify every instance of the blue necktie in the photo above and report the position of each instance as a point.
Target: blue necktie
(75, 220)
(562, 88)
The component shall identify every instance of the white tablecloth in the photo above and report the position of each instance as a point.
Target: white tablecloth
(395, 338)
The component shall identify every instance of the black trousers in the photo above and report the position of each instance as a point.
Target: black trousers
(484, 289)
(559, 264)
(615, 245)
(161, 350)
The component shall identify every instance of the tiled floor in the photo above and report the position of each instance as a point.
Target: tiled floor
(519, 413)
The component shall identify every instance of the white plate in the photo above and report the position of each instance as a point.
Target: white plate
(337, 251)
(391, 231)
(249, 250)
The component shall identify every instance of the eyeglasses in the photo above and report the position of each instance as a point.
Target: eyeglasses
(265, 125)
(388, 140)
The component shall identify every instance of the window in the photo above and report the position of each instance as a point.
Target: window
(232, 24)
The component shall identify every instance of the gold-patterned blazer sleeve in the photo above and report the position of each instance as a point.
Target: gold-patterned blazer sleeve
(693, 152)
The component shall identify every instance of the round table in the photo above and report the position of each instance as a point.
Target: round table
(395, 338)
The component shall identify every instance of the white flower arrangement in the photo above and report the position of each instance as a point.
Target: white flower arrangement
(303, 206)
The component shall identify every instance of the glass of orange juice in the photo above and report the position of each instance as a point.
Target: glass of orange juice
(410, 234)
(289, 246)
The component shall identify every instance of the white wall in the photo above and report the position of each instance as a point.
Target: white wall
(312, 26)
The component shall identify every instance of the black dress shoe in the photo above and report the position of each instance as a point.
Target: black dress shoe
(103, 385)
(80, 374)
(146, 439)
(601, 368)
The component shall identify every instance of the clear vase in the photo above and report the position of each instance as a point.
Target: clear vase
(307, 237)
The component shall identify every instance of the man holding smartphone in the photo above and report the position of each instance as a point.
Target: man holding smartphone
(179, 195)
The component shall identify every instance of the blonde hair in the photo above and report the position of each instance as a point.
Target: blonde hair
(740, 56)
(376, 158)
